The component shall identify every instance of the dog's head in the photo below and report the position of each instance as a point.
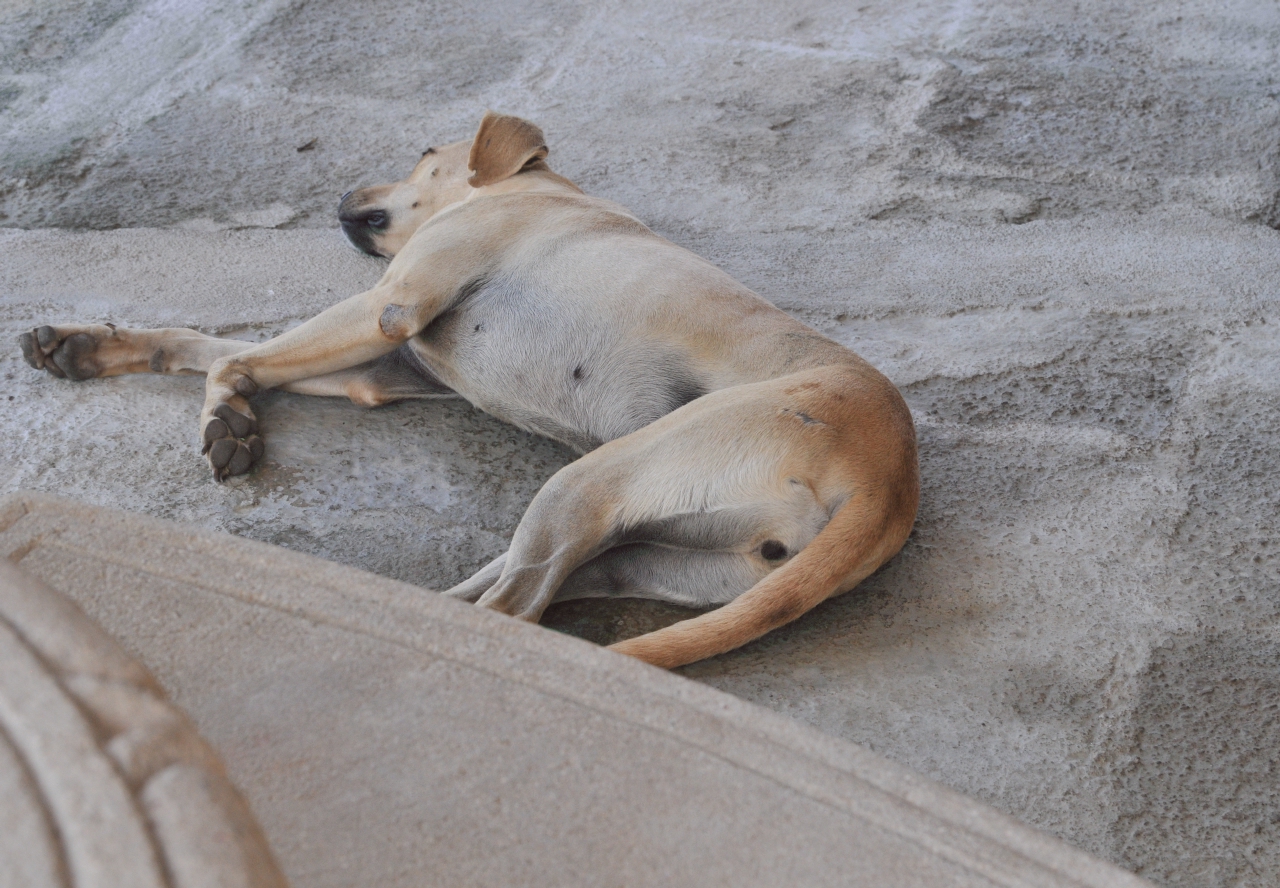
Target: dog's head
(380, 220)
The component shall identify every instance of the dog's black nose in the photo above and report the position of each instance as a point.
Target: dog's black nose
(346, 213)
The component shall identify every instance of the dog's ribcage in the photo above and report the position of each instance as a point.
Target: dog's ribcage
(594, 327)
(556, 363)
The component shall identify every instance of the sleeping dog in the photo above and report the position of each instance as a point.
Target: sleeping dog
(732, 456)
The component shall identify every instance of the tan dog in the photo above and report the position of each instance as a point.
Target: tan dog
(733, 455)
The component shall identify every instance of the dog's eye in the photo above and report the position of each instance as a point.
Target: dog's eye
(376, 219)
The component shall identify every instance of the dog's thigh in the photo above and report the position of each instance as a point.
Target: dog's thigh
(715, 477)
(691, 577)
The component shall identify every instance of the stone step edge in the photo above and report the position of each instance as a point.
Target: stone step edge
(835, 772)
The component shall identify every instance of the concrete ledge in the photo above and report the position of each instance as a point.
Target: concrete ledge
(387, 736)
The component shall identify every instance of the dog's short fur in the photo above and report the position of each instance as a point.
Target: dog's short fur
(733, 456)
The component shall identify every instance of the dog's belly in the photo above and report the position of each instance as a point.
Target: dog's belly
(556, 367)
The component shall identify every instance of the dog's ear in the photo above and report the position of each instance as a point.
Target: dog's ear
(503, 147)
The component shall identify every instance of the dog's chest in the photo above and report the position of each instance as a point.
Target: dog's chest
(564, 365)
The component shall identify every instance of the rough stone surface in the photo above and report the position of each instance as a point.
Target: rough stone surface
(752, 117)
(106, 783)
(1049, 223)
(433, 743)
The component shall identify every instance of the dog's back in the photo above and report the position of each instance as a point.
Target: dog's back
(593, 326)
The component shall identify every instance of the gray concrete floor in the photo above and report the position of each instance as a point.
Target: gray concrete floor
(1051, 224)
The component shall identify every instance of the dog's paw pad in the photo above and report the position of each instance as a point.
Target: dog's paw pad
(248, 452)
(230, 442)
(240, 426)
(214, 430)
(74, 356)
(233, 456)
(65, 354)
(31, 352)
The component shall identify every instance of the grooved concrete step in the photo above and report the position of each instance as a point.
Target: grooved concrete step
(385, 735)
(103, 782)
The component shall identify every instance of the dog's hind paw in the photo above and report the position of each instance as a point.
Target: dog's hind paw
(66, 352)
(231, 442)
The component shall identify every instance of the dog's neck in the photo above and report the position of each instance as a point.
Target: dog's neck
(538, 180)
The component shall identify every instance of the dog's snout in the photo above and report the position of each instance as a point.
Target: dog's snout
(357, 208)
(347, 207)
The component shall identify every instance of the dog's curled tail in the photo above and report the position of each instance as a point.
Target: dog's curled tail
(860, 537)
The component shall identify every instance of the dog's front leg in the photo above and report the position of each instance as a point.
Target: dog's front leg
(427, 275)
(92, 351)
(360, 329)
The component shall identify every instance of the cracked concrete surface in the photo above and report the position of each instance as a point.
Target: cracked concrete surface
(1050, 224)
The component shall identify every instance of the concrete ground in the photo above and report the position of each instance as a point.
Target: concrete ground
(1051, 224)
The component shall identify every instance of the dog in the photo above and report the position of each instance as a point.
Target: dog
(732, 456)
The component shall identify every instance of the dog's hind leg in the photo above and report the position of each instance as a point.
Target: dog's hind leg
(699, 578)
(812, 476)
(712, 478)
(471, 589)
(690, 577)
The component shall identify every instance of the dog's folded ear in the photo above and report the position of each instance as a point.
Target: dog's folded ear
(504, 146)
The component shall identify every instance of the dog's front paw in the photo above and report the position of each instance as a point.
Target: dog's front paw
(231, 442)
(66, 352)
